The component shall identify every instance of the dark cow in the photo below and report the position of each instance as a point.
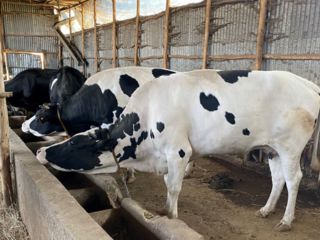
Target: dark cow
(34, 87)
(169, 121)
(66, 83)
(30, 88)
(99, 101)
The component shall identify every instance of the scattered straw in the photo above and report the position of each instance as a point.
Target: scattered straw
(11, 226)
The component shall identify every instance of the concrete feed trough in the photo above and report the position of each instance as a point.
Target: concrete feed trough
(79, 206)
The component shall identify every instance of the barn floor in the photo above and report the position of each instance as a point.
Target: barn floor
(229, 214)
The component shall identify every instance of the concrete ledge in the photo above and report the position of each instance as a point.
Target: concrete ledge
(46, 207)
(160, 226)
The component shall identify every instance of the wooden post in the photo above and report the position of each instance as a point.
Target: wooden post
(82, 39)
(261, 32)
(114, 34)
(60, 50)
(6, 181)
(166, 35)
(3, 45)
(206, 35)
(95, 43)
(137, 40)
(70, 34)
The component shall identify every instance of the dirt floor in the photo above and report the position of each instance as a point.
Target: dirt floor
(229, 214)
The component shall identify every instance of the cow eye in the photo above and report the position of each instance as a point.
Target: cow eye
(42, 119)
(71, 142)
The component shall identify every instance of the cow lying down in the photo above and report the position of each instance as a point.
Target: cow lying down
(182, 116)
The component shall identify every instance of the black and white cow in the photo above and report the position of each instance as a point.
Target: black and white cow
(30, 88)
(34, 87)
(66, 83)
(99, 101)
(176, 118)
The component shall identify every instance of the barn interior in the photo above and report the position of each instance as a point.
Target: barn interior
(181, 35)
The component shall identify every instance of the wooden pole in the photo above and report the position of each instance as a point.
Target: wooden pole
(6, 180)
(114, 35)
(82, 39)
(70, 34)
(166, 35)
(261, 32)
(206, 35)
(3, 44)
(137, 40)
(95, 43)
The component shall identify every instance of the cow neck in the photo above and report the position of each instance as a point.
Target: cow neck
(74, 115)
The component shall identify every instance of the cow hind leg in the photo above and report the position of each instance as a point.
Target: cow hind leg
(292, 175)
(173, 179)
(277, 186)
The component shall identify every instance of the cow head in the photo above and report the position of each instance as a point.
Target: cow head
(44, 122)
(82, 152)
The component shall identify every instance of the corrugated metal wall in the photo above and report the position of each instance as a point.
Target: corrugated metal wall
(293, 27)
(29, 28)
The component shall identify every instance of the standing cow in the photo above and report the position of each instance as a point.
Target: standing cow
(99, 101)
(169, 121)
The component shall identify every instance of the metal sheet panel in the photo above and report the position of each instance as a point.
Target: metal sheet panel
(293, 27)
(34, 44)
(29, 28)
(186, 36)
(234, 29)
(307, 69)
(126, 40)
(152, 37)
(231, 64)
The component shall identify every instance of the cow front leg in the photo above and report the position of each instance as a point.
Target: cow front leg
(277, 186)
(173, 180)
(292, 174)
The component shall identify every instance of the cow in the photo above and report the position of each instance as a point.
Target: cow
(99, 101)
(66, 83)
(186, 115)
(30, 88)
(34, 87)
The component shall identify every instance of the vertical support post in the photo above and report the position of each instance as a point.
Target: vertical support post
(95, 44)
(263, 7)
(114, 35)
(137, 40)
(6, 181)
(82, 39)
(3, 45)
(60, 50)
(166, 35)
(206, 35)
(70, 34)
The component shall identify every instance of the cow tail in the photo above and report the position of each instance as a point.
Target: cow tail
(315, 161)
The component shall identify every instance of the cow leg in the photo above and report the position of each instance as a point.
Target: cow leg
(173, 180)
(130, 175)
(277, 186)
(292, 174)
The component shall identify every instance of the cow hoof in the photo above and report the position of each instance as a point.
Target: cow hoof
(131, 179)
(260, 214)
(282, 227)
